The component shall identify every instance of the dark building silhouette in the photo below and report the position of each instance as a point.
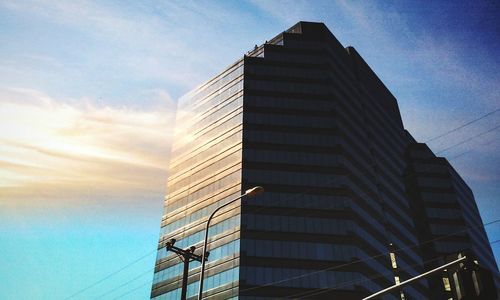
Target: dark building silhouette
(352, 205)
(448, 222)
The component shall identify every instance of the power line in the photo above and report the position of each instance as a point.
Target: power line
(123, 284)
(455, 129)
(132, 290)
(408, 247)
(369, 278)
(293, 209)
(354, 281)
(110, 275)
(453, 146)
(470, 150)
(333, 179)
(318, 271)
(462, 126)
(257, 210)
(468, 140)
(297, 196)
(374, 256)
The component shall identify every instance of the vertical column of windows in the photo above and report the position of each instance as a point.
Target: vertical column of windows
(205, 163)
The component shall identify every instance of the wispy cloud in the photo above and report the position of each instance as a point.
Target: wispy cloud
(422, 68)
(112, 42)
(54, 149)
(99, 135)
(285, 11)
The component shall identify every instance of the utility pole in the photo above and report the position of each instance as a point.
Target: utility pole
(187, 256)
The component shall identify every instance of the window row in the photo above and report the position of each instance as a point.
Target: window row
(302, 200)
(282, 71)
(434, 182)
(292, 138)
(288, 87)
(199, 163)
(443, 213)
(215, 113)
(290, 120)
(192, 178)
(463, 190)
(396, 205)
(369, 238)
(312, 58)
(388, 119)
(306, 44)
(298, 250)
(298, 158)
(396, 231)
(297, 224)
(365, 215)
(196, 141)
(210, 189)
(451, 247)
(302, 278)
(290, 103)
(421, 154)
(377, 264)
(296, 178)
(444, 229)
(431, 168)
(218, 97)
(200, 122)
(206, 152)
(385, 135)
(187, 116)
(438, 197)
(200, 93)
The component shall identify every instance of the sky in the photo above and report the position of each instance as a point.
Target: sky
(88, 92)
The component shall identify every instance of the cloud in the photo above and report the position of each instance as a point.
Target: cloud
(56, 150)
(432, 76)
(444, 60)
(293, 13)
(112, 42)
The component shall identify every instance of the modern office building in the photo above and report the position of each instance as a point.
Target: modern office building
(352, 205)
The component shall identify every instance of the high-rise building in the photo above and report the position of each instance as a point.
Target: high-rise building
(352, 205)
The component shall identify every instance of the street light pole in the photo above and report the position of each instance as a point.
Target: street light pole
(250, 193)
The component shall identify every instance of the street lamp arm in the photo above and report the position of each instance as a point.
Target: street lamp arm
(250, 193)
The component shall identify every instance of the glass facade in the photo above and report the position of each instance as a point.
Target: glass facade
(204, 173)
(309, 121)
(329, 148)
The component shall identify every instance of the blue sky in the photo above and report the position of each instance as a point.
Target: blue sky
(87, 99)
